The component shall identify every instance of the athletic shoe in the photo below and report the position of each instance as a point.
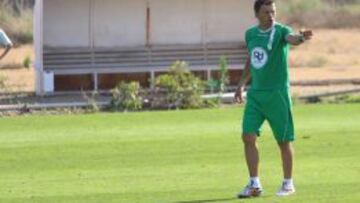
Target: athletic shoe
(250, 191)
(286, 190)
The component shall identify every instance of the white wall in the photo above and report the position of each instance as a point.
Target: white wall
(66, 23)
(176, 21)
(119, 23)
(122, 23)
(200, 21)
(226, 21)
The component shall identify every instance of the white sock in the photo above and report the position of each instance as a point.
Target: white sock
(289, 183)
(255, 182)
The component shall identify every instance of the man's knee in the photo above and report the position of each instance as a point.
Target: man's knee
(285, 146)
(249, 139)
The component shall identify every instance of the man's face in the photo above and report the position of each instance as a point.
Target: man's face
(267, 14)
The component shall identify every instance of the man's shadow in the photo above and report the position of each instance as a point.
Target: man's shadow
(219, 200)
(209, 200)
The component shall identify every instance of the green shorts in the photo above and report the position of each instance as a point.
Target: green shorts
(273, 106)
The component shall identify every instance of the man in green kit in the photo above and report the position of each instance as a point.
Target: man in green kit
(4, 42)
(268, 97)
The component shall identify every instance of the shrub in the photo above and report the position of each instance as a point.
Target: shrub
(182, 88)
(91, 99)
(220, 84)
(27, 62)
(212, 102)
(346, 98)
(2, 82)
(224, 77)
(126, 97)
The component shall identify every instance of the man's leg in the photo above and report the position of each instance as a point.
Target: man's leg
(251, 154)
(287, 154)
(279, 115)
(253, 189)
(286, 150)
(252, 121)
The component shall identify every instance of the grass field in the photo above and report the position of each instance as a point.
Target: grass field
(173, 157)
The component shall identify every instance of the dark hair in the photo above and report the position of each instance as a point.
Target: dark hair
(259, 3)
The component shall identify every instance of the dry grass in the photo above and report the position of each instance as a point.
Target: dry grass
(337, 47)
(18, 25)
(17, 55)
(19, 80)
(334, 53)
(321, 13)
(17, 77)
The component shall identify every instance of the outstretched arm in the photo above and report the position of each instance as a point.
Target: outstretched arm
(297, 39)
(245, 77)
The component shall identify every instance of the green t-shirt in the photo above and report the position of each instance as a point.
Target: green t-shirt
(269, 57)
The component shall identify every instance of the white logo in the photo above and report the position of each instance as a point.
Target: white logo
(259, 57)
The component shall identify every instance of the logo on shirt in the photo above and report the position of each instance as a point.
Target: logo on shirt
(259, 57)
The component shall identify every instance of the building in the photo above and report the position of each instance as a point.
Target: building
(94, 44)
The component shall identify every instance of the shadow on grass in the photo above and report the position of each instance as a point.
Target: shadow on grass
(222, 200)
(209, 200)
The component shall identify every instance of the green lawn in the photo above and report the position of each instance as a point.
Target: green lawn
(173, 157)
